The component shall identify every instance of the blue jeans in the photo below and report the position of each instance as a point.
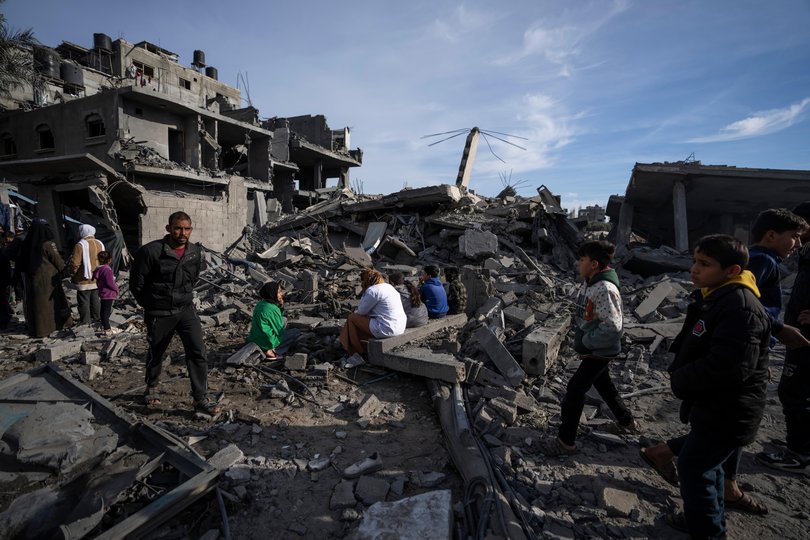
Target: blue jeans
(700, 472)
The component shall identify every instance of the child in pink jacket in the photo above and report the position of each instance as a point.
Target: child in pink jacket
(107, 289)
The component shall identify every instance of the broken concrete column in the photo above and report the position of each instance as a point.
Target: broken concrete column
(477, 244)
(501, 357)
(422, 362)
(653, 300)
(541, 347)
(679, 209)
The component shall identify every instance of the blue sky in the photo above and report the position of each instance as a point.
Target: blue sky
(595, 86)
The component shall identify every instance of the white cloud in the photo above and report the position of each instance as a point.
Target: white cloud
(760, 123)
(462, 21)
(560, 44)
(547, 126)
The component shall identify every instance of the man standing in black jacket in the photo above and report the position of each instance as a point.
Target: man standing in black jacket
(162, 280)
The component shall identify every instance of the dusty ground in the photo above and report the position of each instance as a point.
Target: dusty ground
(282, 500)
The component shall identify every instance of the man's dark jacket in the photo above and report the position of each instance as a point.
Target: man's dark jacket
(720, 369)
(163, 283)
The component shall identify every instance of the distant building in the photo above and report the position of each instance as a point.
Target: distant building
(126, 134)
(592, 213)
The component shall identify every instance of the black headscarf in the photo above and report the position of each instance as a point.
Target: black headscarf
(31, 253)
(269, 291)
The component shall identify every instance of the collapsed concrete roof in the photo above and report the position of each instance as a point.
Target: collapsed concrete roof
(676, 203)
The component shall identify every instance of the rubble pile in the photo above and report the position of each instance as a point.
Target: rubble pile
(323, 444)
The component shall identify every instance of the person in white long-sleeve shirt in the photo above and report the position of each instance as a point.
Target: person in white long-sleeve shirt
(380, 314)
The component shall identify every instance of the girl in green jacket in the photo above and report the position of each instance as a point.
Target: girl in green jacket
(267, 327)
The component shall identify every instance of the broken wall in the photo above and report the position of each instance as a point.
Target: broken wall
(218, 223)
(152, 126)
(67, 123)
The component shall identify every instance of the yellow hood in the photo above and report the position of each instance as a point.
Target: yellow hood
(745, 278)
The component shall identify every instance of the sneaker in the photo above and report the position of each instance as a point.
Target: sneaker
(786, 461)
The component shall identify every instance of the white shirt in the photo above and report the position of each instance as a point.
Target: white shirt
(383, 304)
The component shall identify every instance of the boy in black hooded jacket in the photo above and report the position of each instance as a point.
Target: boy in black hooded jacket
(720, 373)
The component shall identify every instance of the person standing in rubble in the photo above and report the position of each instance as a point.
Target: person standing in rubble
(83, 262)
(6, 276)
(433, 293)
(44, 302)
(162, 281)
(456, 291)
(598, 338)
(379, 314)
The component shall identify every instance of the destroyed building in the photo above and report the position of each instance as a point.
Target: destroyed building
(125, 134)
(674, 204)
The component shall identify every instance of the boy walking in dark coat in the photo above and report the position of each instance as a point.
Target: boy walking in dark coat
(720, 373)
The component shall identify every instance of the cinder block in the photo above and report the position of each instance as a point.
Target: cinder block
(541, 347)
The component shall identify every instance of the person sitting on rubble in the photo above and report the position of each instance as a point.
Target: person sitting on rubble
(82, 263)
(379, 314)
(598, 338)
(267, 328)
(456, 291)
(720, 372)
(39, 263)
(415, 309)
(432, 293)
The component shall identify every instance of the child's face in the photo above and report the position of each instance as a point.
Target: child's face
(587, 267)
(708, 272)
(782, 243)
(280, 296)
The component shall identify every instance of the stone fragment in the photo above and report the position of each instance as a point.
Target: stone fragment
(477, 244)
(428, 516)
(343, 496)
(227, 457)
(618, 503)
(370, 489)
(519, 316)
(296, 362)
(646, 308)
(506, 410)
(370, 407)
(427, 479)
(60, 350)
(542, 345)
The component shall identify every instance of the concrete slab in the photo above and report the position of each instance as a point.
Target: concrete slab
(501, 357)
(422, 362)
(428, 516)
(227, 457)
(379, 346)
(519, 316)
(371, 490)
(59, 351)
(476, 244)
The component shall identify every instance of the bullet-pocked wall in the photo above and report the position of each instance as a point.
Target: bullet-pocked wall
(218, 220)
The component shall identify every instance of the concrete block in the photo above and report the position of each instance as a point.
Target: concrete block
(117, 320)
(224, 317)
(488, 377)
(491, 305)
(508, 298)
(477, 244)
(59, 351)
(422, 362)
(309, 281)
(296, 362)
(501, 357)
(90, 372)
(492, 264)
(519, 316)
(227, 457)
(653, 300)
(304, 322)
(343, 496)
(370, 406)
(618, 503)
(541, 347)
(506, 410)
(428, 516)
(371, 490)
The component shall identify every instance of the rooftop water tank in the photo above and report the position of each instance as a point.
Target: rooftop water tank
(212, 72)
(102, 42)
(71, 74)
(199, 59)
(46, 62)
